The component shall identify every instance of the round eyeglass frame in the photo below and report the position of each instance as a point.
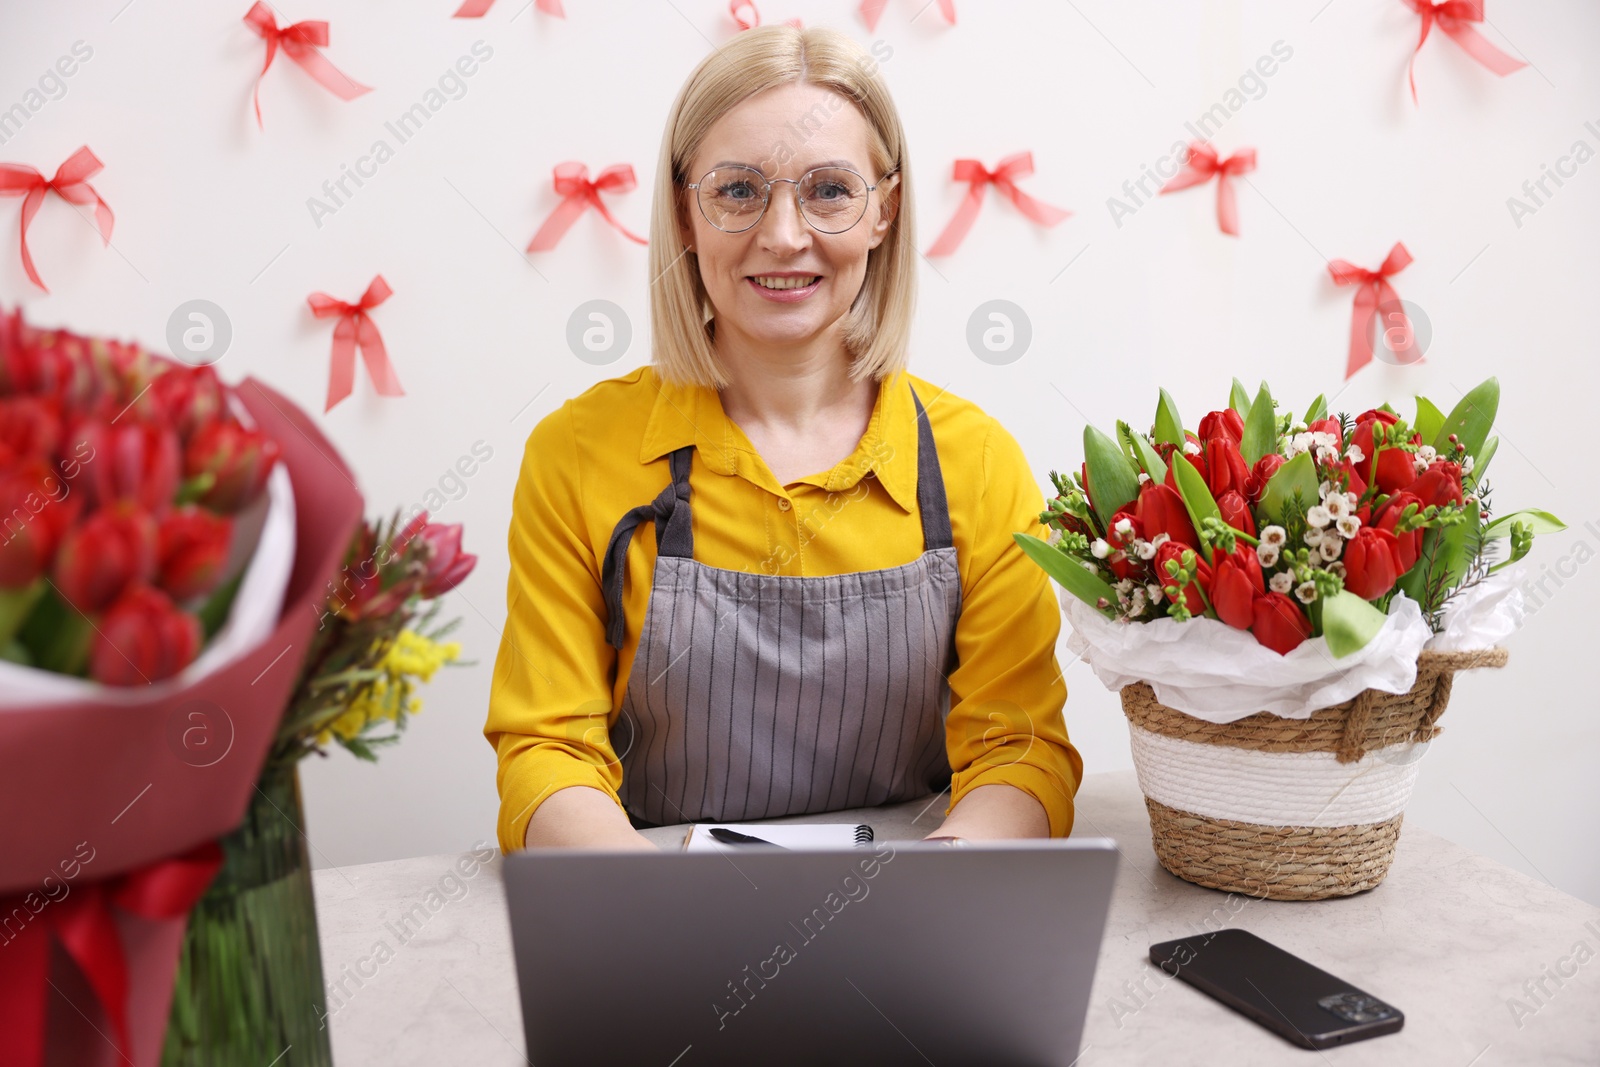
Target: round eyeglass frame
(766, 195)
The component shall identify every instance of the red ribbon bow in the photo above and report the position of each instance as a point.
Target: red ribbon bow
(1017, 165)
(1203, 163)
(71, 183)
(872, 10)
(754, 19)
(1374, 293)
(300, 43)
(476, 9)
(572, 182)
(1453, 17)
(356, 328)
(83, 924)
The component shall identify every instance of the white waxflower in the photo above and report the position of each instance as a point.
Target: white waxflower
(1306, 591)
(1313, 537)
(1144, 549)
(1326, 454)
(1466, 465)
(1338, 505)
(1267, 555)
(1055, 536)
(1090, 567)
(1099, 549)
(1122, 526)
(1123, 585)
(1281, 582)
(1190, 448)
(1348, 525)
(1143, 477)
(1153, 591)
(1273, 535)
(1330, 547)
(1354, 454)
(1317, 515)
(1160, 539)
(1300, 442)
(1136, 604)
(1337, 567)
(1427, 454)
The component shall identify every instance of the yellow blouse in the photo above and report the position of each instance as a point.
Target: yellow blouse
(558, 685)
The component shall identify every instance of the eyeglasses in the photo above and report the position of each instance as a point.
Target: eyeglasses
(831, 199)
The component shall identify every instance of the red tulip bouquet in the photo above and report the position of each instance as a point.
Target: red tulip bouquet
(1285, 529)
(166, 543)
(1269, 568)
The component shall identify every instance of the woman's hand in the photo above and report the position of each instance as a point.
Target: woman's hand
(995, 812)
(583, 817)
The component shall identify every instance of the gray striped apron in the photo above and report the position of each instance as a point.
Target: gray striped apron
(757, 695)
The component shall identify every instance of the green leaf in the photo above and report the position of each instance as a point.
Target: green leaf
(1429, 419)
(1149, 458)
(1317, 410)
(1112, 478)
(214, 612)
(1260, 429)
(1239, 398)
(1068, 572)
(1169, 427)
(1197, 499)
(1480, 460)
(1542, 522)
(17, 604)
(1470, 419)
(1300, 473)
(1348, 622)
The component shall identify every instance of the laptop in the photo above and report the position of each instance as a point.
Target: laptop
(901, 952)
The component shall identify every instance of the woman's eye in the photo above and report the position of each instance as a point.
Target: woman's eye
(736, 190)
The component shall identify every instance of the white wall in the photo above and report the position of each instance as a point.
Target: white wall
(209, 206)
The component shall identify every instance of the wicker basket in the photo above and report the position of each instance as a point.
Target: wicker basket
(1289, 809)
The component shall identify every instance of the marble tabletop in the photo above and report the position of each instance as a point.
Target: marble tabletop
(1490, 967)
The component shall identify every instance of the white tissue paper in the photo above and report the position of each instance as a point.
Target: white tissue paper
(1201, 666)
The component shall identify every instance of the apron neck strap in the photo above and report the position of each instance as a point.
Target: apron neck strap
(931, 500)
(674, 537)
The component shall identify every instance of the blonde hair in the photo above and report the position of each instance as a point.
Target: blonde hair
(877, 328)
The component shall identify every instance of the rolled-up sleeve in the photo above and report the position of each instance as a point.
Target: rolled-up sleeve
(550, 700)
(1005, 724)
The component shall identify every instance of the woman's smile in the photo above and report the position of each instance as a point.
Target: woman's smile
(787, 287)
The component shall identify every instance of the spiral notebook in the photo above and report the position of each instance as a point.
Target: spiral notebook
(789, 835)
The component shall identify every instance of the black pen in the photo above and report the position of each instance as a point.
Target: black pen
(734, 837)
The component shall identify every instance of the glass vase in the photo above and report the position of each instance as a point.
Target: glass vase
(249, 985)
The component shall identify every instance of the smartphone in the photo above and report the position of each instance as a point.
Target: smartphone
(1277, 989)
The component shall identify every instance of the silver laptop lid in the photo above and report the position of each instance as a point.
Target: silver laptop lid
(899, 953)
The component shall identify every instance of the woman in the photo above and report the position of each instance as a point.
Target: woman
(832, 612)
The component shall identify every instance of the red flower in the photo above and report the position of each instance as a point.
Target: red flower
(192, 548)
(447, 565)
(1278, 622)
(1197, 460)
(1357, 484)
(240, 460)
(1329, 426)
(134, 461)
(1397, 469)
(114, 548)
(190, 397)
(1174, 550)
(33, 518)
(1160, 510)
(1235, 584)
(1264, 469)
(1225, 423)
(1371, 563)
(1408, 546)
(30, 426)
(1118, 560)
(1235, 512)
(1225, 467)
(143, 638)
(1440, 484)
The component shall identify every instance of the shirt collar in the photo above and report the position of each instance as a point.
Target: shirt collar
(692, 414)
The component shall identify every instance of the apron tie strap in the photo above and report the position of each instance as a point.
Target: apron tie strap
(674, 537)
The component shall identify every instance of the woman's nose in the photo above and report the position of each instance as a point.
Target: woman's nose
(783, 227)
